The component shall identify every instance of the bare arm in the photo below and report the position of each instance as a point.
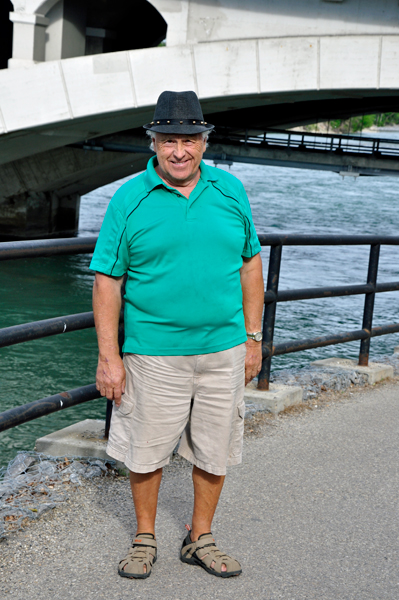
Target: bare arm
(111, 376)
(252, 299)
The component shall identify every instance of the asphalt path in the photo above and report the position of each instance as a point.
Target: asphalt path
(312, 513)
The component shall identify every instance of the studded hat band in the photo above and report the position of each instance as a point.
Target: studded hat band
(178, 122)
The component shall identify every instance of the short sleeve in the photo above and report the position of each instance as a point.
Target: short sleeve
(251, 245)
(111, 254)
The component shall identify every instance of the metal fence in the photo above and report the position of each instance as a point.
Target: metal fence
(319, 142)
(60, 325)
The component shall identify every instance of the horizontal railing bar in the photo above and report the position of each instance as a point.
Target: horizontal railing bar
(25, 332)
(293, 239)
(385, 330)
(34, 248)
(328, 340)
(40, 329)
(45, 406)
(85, 245)
(330, 292)
(33, 410)
(319, 342)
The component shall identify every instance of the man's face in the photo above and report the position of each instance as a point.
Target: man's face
(179, 156)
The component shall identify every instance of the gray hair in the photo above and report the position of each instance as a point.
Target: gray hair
(151, 135)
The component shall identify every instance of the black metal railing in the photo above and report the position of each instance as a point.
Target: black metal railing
(272, 296)
(59, 325)
(316, 142)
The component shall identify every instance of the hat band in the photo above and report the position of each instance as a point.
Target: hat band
(178, 122)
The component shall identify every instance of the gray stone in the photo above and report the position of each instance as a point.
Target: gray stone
(374, 371)
(83, 439)
(20, 464)
(276, 399)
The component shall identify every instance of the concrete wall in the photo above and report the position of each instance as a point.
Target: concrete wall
(66, 32)
(193, 21)
(56, 103)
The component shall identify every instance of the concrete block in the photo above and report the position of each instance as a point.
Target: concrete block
(33, 96)
(277, 73)
(99, 84)
(234, 68)
(396, 350)
(389, 77)
(276, 399)
(158, 69)
(349, 62)
(374, 372)
(85, 439)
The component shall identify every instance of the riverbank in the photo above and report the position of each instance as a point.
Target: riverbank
(311, 513)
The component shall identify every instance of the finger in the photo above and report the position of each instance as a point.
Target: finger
(117, 394)
(109, 393)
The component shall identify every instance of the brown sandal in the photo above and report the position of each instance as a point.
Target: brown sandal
(205, 553)
(142, 553)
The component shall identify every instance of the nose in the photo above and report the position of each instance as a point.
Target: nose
(179, 150)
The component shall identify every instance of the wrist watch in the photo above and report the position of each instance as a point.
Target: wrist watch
(257, 336)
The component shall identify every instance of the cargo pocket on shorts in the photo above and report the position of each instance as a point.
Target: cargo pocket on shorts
(120, 431)
(124, 409)
(237, 431)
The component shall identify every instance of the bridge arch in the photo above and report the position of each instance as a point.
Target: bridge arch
(74, 99)
(46, 108)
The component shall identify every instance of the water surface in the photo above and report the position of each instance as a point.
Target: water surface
(283, 200)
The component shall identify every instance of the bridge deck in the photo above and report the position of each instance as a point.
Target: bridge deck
(311, 514)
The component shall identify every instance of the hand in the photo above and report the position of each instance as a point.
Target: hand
(111, 378)
(253, 360)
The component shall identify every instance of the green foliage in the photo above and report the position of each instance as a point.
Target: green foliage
(357, 124)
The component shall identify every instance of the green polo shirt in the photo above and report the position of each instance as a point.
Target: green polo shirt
(183, 257)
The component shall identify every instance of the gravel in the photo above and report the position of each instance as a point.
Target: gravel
(311, 514)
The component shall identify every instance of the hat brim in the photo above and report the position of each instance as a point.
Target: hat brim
(183, 129)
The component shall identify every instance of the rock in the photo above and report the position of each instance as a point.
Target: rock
(20, 464)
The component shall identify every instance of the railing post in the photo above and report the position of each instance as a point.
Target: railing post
(369, 304)
(121, 339)
(269, 315)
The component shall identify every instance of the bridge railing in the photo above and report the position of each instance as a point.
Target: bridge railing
(313, 141)
(59, 325)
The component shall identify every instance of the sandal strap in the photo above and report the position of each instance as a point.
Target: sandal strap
(138, 541)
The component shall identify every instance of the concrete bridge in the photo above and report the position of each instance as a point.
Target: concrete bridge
(83, 69)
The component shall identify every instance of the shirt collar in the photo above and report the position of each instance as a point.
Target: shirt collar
(152, 179)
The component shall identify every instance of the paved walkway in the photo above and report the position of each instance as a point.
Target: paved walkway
(312, 514)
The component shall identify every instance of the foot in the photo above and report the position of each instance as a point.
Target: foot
(140, 558)
(205, 553)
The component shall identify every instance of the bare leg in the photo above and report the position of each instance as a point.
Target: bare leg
(145, 488)
(207, 488)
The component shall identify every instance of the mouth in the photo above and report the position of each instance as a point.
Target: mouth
(180, 164)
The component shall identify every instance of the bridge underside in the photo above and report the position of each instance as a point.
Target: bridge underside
(252, 86)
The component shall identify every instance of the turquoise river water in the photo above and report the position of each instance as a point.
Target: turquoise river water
(282, 200)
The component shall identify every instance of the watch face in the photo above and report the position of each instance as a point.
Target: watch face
(258, 336)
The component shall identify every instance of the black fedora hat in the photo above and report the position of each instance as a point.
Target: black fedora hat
(178, 112)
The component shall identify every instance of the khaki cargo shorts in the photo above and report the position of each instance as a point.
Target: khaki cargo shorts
(200, 398)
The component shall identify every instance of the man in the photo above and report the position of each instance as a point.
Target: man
(183, 233)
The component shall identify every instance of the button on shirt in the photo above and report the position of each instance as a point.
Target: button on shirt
(183, 257)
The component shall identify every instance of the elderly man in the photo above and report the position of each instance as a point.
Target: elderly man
(183, 233)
